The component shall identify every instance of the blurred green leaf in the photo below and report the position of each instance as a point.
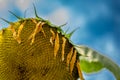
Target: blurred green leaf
(92, 61)
(90, 67)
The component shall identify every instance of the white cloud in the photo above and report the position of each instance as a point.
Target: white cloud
(106, 45)
(79, 21)
(99, 10)
(3, 4)
(104, 9)
(59, 16)
(110, 47)
(23, 4)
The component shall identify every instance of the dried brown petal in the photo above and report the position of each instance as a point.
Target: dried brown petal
(63, 47)
(19, 32)
(69, 57)
(79, 70)
(57, 45)
(53, 36)
(73, 61)
(37, 29)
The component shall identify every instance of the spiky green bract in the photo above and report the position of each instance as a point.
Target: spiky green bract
(68, 35)
(6, 21)
(37, 17)
(92, 61)
(15, 15)
(60, 30)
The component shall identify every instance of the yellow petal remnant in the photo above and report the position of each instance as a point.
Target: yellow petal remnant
(38, 28)
(73, 61)
(34, 20)
(1, 32)
(63, 47)
(32, 36)
(13, 31)
(79, 70)
(57, 45)
(19, 32)
(16, 35)
(53, 36)
(42, 29)
(0, 38)
(69, 57)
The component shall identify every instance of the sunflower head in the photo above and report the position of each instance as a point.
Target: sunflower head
(34, 49)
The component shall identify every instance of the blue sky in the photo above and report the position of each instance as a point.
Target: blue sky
(98, 22)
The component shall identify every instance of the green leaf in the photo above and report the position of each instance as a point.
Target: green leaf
(92, 61)
(90, 67)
